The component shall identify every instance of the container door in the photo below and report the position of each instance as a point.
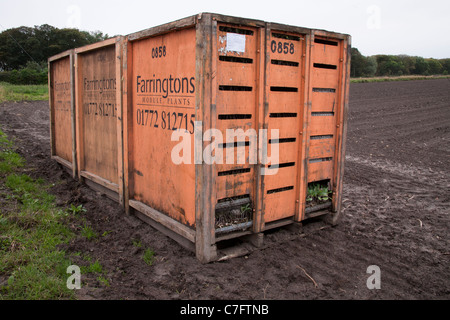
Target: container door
(236, 60)
(285, 99)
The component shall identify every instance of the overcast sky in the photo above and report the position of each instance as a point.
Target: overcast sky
(417, 28)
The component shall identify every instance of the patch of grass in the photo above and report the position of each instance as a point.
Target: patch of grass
(399, 78)
(29, 236)
(31, 229)
(76, 209)
(94, 267)
(9, 160)
(148, 256)
(104, 234)
(137, 243)
(88, 232)
(12, 92)
(103, 281)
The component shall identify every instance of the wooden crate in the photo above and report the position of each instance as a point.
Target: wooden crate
(98, 90)
(231, 73)
(62, 110)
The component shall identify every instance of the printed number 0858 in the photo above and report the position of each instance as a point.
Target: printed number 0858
(159, 52)
(282, 47)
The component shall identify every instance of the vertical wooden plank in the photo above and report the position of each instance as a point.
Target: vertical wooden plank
(73, 115)
(341, 131)
(303, 134)
(51, 106)
(60, 83)
(260, 121)
(213, 124)
(205, 249)
(306, 127)
(264, 125)
(119, 102)
(78, 116)
(126, 117)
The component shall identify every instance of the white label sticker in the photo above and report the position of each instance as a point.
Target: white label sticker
(235, 42)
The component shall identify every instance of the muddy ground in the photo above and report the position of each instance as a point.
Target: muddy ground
(396, 215)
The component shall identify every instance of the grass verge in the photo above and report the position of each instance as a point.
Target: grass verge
(11, 92)
(400, 78)
(31, 228)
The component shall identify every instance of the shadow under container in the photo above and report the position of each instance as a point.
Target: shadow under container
(62, 110)
(193, 81)
(98, 90)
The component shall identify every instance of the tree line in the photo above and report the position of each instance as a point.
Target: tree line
(396, 65)
(24, 50)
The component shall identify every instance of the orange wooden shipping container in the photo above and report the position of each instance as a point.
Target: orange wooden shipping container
(62, 110)
(98, 88)
(192, 82)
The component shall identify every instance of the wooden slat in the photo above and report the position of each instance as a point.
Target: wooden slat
(97, 45)
(127, 121)
(287, 127)
(322, 148)
(320, 171)
(259, 124)
(60, 55)
(64, 162)
(73, 114)
(204, 221)
(61, 105)
(322, 125)
(165, 28)
(326, 54)
(164, 220)
(101, 181)
(324, 78)
(287, 76)
(230, 102)
(303, 134)
(279, 205)
(284, 177)
(341, 130)
(324, 101)
(119, 130)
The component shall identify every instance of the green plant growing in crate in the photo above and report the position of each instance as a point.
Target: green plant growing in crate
(318, 192)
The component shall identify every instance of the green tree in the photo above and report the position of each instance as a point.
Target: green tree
(23, 44)
(421, 66)
(362, 66)
(445, 65)
(434, 66)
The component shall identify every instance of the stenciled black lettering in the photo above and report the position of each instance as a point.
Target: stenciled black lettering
(165, 86)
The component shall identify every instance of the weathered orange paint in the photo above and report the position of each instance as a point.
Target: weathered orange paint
(99, 114)
(155, 180)
(228, 74)
(61, 101)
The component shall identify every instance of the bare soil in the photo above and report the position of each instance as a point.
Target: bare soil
(396, 215)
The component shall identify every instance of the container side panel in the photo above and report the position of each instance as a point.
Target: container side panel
(284, 71)
(236, 110)
(163, 104)
(60, 87)
(98, 108)
(325, 106)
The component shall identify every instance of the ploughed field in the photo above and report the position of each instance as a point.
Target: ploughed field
(396, 206)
